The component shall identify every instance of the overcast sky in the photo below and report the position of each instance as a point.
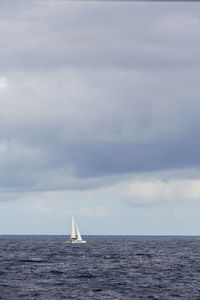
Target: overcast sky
(99, 117)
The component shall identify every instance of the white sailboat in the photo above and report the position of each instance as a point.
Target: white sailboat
(75, 235)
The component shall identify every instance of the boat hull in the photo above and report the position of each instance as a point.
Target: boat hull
(76, 242)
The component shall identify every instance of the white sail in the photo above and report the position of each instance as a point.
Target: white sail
(73, 234)
(79, 238)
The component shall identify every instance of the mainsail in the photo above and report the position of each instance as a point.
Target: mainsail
(73, 234)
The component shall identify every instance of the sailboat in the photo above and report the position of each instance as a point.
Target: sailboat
(75, 235)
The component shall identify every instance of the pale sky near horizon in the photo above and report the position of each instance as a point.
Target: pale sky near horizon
(99, 117)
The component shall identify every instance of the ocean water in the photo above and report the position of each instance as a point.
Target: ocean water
(107, 267)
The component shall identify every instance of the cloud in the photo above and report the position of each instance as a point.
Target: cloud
(158, 190)
(54, 39)
(3, 82)
(89, 100)
(180, 26)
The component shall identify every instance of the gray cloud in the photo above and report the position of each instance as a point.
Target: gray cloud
(97, 90)
(43, 36)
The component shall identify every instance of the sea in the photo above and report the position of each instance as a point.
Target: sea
(106, 267)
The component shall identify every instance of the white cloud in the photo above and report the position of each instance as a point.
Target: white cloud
(3, 82)
(158, 190)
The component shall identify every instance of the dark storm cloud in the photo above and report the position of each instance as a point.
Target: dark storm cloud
(90, 90)
(100, 159)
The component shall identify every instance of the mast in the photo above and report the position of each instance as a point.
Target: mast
(73, 234)
(79, 238)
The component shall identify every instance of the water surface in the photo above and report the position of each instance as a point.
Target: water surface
(115, 267)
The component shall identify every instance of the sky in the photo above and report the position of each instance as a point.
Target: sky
(99, 117)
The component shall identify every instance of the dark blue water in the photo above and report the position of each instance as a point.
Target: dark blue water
(44, 267)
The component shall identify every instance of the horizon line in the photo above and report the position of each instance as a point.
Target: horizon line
(134, 235)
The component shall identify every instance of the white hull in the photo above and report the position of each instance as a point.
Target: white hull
(75, 242)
